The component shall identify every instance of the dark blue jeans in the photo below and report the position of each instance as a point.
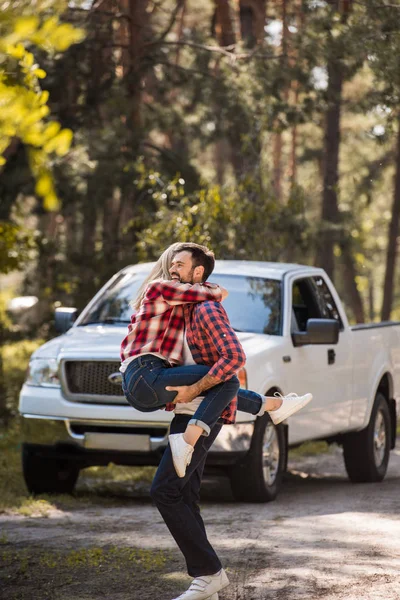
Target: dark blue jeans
(146, 378)
(177, 501)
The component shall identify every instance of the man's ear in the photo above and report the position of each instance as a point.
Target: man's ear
(199, 272)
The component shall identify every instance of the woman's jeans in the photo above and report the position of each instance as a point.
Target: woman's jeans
(146, 378)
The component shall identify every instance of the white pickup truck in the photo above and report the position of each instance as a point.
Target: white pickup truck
(296, 336)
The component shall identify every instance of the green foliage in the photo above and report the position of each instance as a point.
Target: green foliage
(15, 363)
(24, 106)
(16, 246)
(223, 218)
(12, 488)
(182, 109)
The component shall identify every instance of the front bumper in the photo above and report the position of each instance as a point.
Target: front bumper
(99, 442)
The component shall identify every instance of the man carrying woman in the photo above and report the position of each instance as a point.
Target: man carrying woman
(182, 354)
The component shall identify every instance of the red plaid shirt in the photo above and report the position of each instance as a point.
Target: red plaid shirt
(213, 342)
(159, 324)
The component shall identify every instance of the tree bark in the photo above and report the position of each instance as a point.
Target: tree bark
(278, 136)
(350, 274)
(330, 211)
(393, 234)
(371, 297)
(252, 21)
(277, 165)
(224, 23)
(111, 226)
(132, 35)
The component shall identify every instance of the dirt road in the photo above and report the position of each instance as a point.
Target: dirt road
(324, 538)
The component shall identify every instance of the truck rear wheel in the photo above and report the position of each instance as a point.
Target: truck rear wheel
(258, 477)
(366, 452)
(48, 474)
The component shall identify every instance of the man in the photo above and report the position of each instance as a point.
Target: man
(211, 341)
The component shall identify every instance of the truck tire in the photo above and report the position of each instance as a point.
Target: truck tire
(366, 452)
(258, 477)
(48, 475)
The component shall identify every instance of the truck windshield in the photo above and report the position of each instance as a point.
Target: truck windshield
(253, 304)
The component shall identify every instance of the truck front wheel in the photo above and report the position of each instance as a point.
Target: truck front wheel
(47, 474)
(366, 452)
(258, 477)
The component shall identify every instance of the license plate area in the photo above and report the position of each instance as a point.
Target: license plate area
(124, 442)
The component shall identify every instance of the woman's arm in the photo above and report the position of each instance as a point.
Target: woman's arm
(175, 292)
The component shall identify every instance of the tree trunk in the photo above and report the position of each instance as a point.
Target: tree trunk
(132, 35)
(371, 297)
(278, 136)
(252, 21)
(3, 404)
(224, 23)
(277, 165)
(181, 26)
(111, 227)
(350, 274)
(393, 233)
(330, 211)
(70, 213)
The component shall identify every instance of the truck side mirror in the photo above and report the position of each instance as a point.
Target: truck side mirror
(319, 331)
(64, 318)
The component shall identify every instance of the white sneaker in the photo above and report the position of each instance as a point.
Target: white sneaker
(181, 453)
(290, 405)
(205, 587)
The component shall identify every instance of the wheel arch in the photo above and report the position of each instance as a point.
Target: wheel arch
(247, 475)
(385, 387)
(270, 392)
(382, 382)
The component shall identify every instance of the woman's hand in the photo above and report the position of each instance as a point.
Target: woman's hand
(224, 292)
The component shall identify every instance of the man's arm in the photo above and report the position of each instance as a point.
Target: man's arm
(187, 393)
(175, 292)
(215, 323)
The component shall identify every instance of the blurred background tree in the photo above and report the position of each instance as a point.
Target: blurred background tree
(268, 131)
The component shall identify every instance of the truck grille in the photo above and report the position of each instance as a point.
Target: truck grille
(85, 378)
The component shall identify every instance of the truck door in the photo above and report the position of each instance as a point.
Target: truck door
(323, 370)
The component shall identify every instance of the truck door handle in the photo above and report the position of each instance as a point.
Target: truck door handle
(331, 357)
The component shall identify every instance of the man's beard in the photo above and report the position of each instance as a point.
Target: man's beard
(175, 277)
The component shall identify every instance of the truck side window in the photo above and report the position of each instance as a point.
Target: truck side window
(325, 300)
(304, 304)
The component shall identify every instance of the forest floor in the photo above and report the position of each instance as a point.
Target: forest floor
(323, 538)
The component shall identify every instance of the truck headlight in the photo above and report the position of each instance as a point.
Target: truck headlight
(43, 372)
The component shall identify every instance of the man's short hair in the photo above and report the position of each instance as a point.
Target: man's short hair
(201, 257)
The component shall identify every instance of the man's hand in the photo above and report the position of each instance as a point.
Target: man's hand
(224, 292)
(185, 394)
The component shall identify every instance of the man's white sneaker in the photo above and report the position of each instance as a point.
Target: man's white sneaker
(290, 405)
(181, 453)
(205, 587)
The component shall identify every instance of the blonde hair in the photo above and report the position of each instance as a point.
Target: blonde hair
(162, 267)
(159, 271)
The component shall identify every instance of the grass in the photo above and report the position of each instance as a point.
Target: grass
(88, 558)
(104, 486)
(39, 573)
(309, 449)
(96, 484)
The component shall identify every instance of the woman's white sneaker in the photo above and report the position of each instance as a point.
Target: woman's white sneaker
(290, 405)
(206, 587)
(181, 453)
